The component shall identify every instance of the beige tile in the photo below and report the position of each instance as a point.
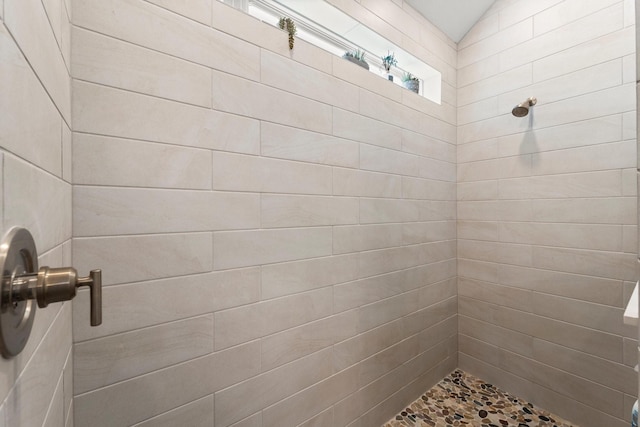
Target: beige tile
(508, 167)
(254, 420)
(29, 26)
(423, 145)
(507, 81)
(479, 190)
(388, 210)
(123, 312)
(28, 192)
(247, 248)
(147, 25)
(496, 43)
(477, 230)
(67, 384)
(286, 74)
(292, 277)
(601, 210)
(270, 387)
(579, 185)
(136, 258)
(243, 324)
(112, 62)
(300, 341)
(435, 169)
(187, 382)
(427, 317)
(353, 350)
(305, 211)
(108, 360)
(630, 238)
(55, 414)
(297, 144)
(313, 400)
(116, 211)
(386, 260)
(592, 315)
(387, 310)
(587, 392)
(356, 238)
(478, 270)
(385, 110)
(230, 20)
(586, 288)
(247, 98)
(478, 150)
(574, 134)
(380, 159)
(478, 110)
(37, 141)
(617, 155)
(358, 293)
(478, 70)
(198, 412)
(593, 263)
(233, 172)
(364, 129)
(19, 365)
(387, 360)
(586, 106)
(579, 338)
(199, 10)
(485, 27)
(114, 112)
(40, 379)
(431, 231)
(504, 253)
(124, 162)
(480, 210)
(352, 182)
(436, 210)
(520, 299)
(591, 79)
(324, 418)
(630, 352)
(629, 125)
(597, 237)
(567, 36)
(67, 153)
(545, 397)
(500, 337)
(613, 375)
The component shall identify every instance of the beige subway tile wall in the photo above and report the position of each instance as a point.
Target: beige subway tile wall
(36, 193)
(546, 223)
(278, 227)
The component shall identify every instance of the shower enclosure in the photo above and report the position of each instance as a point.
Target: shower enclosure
(287, 239)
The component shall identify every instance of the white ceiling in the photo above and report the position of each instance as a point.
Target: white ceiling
(454, 17)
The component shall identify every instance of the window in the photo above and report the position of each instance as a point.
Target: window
(329, 28)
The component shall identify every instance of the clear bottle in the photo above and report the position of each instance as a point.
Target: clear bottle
(634, 415)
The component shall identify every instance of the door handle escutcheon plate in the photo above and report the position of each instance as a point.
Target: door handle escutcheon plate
(23, 284)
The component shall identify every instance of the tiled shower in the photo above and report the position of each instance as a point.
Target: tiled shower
(289, 240)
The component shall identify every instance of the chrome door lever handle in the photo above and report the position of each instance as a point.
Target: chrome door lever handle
(60, 284)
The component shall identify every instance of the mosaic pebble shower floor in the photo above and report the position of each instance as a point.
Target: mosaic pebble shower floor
(461, 399)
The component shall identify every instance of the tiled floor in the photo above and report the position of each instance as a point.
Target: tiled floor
(461, 399)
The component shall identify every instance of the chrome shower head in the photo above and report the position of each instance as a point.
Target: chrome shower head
(522, 109)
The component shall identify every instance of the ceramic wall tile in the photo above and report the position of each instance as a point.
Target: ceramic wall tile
(111, 62)
(112, 112)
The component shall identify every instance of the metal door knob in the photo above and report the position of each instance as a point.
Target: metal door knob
(23, 284)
